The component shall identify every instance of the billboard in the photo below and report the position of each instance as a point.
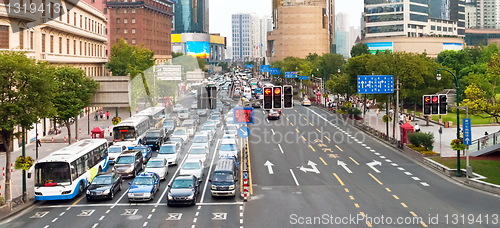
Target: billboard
(380, 46)
(198, 49)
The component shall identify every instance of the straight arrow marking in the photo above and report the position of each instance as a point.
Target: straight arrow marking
(269, 166)
(344, 165)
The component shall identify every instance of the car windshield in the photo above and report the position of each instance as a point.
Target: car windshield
(222, 177)
(200, 139)
(183, 184)
(176, 140)
(209, 122)
(226, 147)
(155, 164)
(197, 151)
(208, 128)
(215, 117)
(125, 160)
(191, 165)
(231, 128)
(143, 181)
(169, 123)
(179, 132)
(142, 149)
(169, 149)
(114, 150)
(102, 180)
(152, 134)
(184, 111)
(228, 137)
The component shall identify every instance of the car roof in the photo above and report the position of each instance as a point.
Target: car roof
(184, 177)
(193, 160)
(227, 141)
(156, 159)
(146, 174)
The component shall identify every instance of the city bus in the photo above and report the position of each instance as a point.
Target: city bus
(66, 172)
(156, 115)
(131, 130)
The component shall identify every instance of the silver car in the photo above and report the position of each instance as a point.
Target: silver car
(158, 166)
(201, 139)
(198, 153)
(192, 167)
(170, 152)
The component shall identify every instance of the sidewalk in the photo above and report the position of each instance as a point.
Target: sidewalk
(374, 121)
(51, 143)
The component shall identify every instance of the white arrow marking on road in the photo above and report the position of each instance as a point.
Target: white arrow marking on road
(344, 165)
(312, 169)
(373, 164)
(269, 167)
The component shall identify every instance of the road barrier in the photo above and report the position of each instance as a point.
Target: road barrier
(52, 139)
(245, 186)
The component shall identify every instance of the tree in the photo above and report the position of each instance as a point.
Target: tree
(131, 59)
(176, 54)
(73, 91)
(25, 96)
(201, 63)
(359, 49)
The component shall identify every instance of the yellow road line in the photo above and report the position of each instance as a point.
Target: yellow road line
(423, 224)
(320, 158)
(356, 205)
(413, 214)
(80, 199)
(368, 224)
(328, 139)
(311, 124)
(387, 189)
(304, 118)
(338, 179)
(297, 130)
(287, 119)
(362, 213)
(346, 189)
(355, 162)
(351, 197)
(339, 148)
(375, 179)
(318, 130)
(395, 197)
(404, 205)
(312, 148)
(292, 124)
(303, 138)
(249, 169)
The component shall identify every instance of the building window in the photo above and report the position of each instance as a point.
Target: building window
(133, 10)
(80, 47)
(133, 40)
(125, 31)
(74, 19)
(125, 11)
(85, 23)
(105, 10)
(117, 31)
(32, 36)
(68, 17)
(51, 44)
(118, 20)
(21, 38)
(133, 31)
(74, 47)
(133, 20)
(67, 46)
(81, 21)
(125, 20)
(60, 45)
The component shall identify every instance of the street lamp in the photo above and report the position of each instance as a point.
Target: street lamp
(438, 77)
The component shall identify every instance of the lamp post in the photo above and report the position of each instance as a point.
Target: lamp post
(438, 77)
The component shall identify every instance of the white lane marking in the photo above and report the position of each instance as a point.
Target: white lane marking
(267, 120)
(388, 161)
(281, 149)
(401, 168)
(416, 178)
(363, 145)
(141, 204)
(383, 157)
(193, 226)
(102, 217)
(55, 219)
(273, 131)
(153, 211)
(62, 213)
(377, 154)
(294, 178)
(107, 211)
(368, 148)
(149, 216)
(373, 151)
(197, 213)
(394, 164)
(95, 225)
(209, 169)
(408, 173)
(241, 221)
(145, 224)
(424, 184)
(195, 219)
(47, 226)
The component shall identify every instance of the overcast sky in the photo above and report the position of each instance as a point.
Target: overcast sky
(221, 10)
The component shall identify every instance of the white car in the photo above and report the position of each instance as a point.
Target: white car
(192, 167)
(306, 102)
(228, 148)
(158, 166)
(210, 129)
(114, 152)
(177, 108)
(181, 132)
(171, 152)
(198, 153)
(183, 114)
(201, 139)
(231, 129)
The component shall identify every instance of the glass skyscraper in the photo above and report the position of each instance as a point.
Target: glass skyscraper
(191, 16)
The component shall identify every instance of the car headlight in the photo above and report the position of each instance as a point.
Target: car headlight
(147, 194)
(213, 187)
(190, 197)
(106, 192)
(231, 187)
(130, 194)
(170, 197)
(129, 169)
(88, 192)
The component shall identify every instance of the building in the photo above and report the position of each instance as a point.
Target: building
(72, 33)
(147, 23)
(191, 16)
(483, 14)
(300, 28)
(343, 42)
(245, 34)
(478, 37)
(388, 24)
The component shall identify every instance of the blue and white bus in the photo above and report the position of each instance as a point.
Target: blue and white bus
(65, 173)
(156, 115)
(131, 130)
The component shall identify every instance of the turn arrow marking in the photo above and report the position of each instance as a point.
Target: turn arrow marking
(373, 164)
(344, 165)
(269, 166)
(313, 168)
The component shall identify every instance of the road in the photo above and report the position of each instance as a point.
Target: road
(325, 172)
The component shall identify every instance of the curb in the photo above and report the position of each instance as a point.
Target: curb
(17, 210)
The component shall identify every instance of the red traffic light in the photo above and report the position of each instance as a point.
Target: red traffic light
(267, 91)
(427, 99)
(435, 99)
(277, 90)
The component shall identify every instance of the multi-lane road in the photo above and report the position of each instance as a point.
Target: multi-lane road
(308, 169)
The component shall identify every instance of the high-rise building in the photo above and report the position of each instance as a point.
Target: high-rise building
(485, 14)
(342, 37)
(301, 27)
(191, 16)
(147, 22)
(247, 39)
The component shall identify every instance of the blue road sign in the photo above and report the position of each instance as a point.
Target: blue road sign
(375, 84)
(243, 132)
(248, 66)
(258, 90)
(290, 74)
(275, 71)
(303, 77)
(265, 68)
(467, 131)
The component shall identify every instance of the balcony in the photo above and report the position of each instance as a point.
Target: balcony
(65, 58)
(13, 12)
(63, 27)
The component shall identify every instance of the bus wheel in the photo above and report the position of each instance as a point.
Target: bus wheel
(80, 189)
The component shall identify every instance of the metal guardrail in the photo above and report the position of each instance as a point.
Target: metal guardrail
(483, 142)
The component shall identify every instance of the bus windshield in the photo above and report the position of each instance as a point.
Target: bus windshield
(124, 133)
(52, 174)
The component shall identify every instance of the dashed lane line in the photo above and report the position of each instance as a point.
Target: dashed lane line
(377, 180)
(320, 158)
(338, 179)
(355, 162)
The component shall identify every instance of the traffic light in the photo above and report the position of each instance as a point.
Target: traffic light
(427, 105)
(202, 98)
(212, 94)
(287, 96)
(268, 98)
(443, 104)
(435, 105)
(277, 97)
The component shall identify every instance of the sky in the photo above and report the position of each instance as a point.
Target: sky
(221, 11)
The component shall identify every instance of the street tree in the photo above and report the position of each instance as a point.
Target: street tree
(359, 49)
(25, 96)
(73, 91)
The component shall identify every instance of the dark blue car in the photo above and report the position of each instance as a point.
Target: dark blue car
(144, 187)
(146, 151)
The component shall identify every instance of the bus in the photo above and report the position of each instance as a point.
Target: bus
(66, 172)
(156, 115)
(131, 130)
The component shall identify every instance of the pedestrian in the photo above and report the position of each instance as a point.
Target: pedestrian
(107, 115)
(378, 111)
(101, 113)
(417, 127)
(38, 141)
(96, 115)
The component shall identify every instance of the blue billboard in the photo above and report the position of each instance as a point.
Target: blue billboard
(198, 49)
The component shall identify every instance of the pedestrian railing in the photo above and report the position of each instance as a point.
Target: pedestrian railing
(484, 142)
